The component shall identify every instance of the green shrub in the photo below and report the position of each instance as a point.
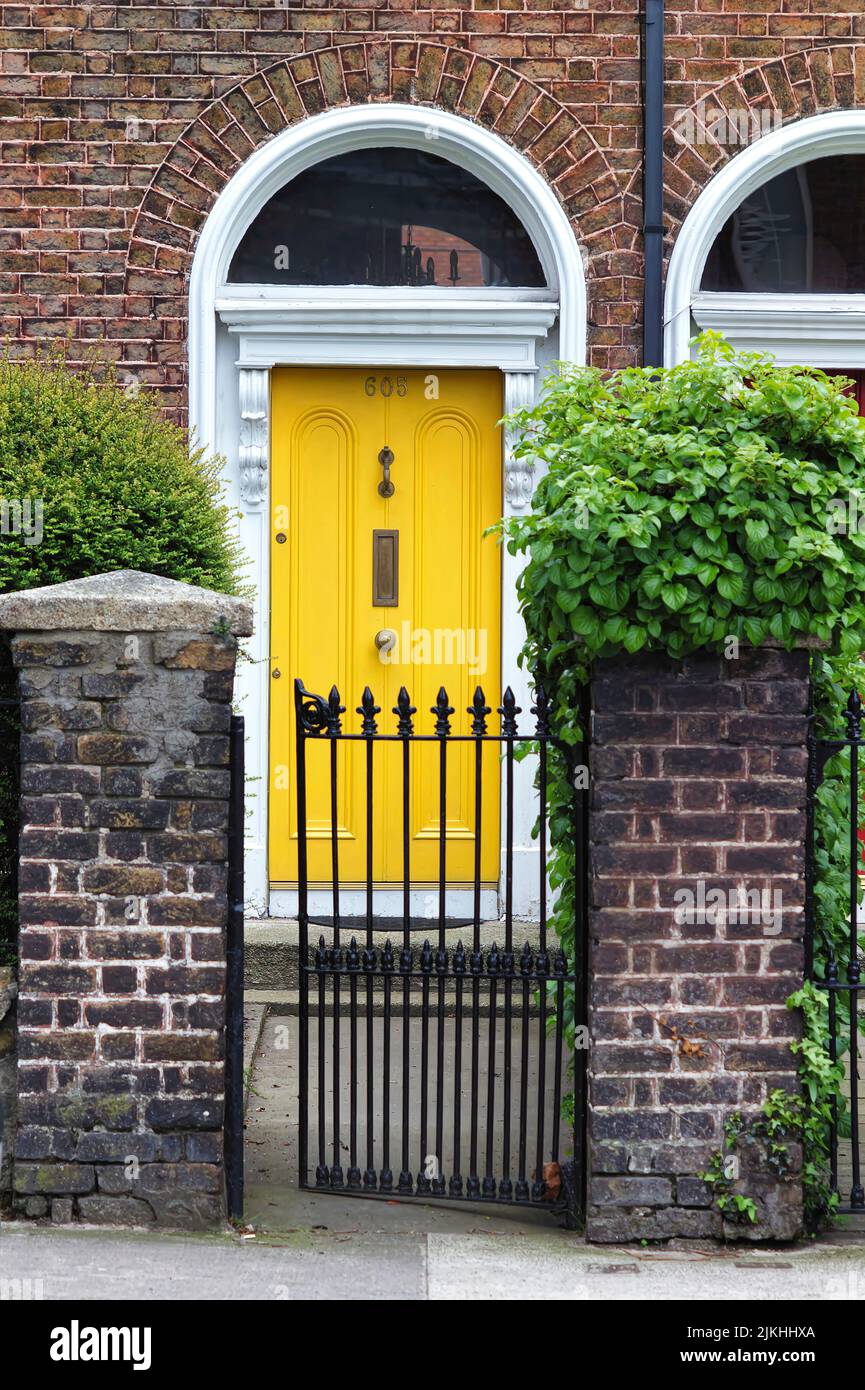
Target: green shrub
(110, 485)
(689, 505)
(119, 486)
(690, 509)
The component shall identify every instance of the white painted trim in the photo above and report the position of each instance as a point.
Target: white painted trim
(826, 330)
(434, 326)
(835, 132)
(383, 328)
(320, 137)
(332, 298)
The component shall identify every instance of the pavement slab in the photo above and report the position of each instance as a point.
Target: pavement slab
(341, 1264)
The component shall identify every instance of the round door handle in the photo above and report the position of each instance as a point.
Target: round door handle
(275, 673)
(280, 538)
(385, 640)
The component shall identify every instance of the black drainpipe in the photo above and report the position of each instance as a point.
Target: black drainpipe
(653, 182)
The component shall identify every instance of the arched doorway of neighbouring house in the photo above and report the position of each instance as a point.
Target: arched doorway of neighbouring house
(771, 252)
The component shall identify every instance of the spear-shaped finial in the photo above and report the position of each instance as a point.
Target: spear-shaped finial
(479, 709)
(405, 709)
(442, 711)
(369, 709)
(334, 710)
(509, 709)
(541, 711)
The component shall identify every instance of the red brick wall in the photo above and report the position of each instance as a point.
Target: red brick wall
(698, 787)
(98, 216)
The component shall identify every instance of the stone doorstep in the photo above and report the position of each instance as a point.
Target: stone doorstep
(272, 947)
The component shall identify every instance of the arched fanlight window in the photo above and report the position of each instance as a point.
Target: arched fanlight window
(387, 216)
(802, 232)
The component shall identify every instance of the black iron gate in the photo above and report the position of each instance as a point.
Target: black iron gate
(438, 1069)
(833, 931)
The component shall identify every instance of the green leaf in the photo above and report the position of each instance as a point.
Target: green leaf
(757, 529)
(702, 514)
(615, 629)
(674, 596)
(765, 589)
(733, 587)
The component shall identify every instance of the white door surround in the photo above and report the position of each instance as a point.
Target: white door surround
(270, 325)
(826, 330)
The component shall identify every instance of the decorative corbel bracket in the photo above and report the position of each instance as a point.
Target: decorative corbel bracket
(519, 472)
(254, 438)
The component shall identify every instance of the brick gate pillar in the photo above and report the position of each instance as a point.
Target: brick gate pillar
(698, 772)
(126, 685)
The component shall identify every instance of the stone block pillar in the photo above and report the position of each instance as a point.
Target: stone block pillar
(698, 773)
(126, 685)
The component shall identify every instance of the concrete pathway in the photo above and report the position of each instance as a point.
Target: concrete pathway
(339, 1263)
(299, 1245)
(273, 1201)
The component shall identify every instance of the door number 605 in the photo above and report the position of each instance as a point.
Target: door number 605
(385, 386)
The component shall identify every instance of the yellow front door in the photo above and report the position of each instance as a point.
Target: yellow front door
(348, 563)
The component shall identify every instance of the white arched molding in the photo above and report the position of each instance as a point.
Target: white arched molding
(269, 325)
(822, 329)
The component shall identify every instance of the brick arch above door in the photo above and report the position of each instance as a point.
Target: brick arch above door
(795, 86)
(222, 138)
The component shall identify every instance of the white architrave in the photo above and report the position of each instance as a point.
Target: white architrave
(824, 329)
(376, 327)
(435, 327)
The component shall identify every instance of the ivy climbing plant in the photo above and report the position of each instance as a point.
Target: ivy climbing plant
(698, 508)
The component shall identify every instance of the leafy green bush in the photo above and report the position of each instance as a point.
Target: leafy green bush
(682, 509)
(118, 484)
(685, 506)
(94, 479)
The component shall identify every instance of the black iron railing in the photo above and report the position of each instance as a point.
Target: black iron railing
(453, 1085)
(833, 953)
